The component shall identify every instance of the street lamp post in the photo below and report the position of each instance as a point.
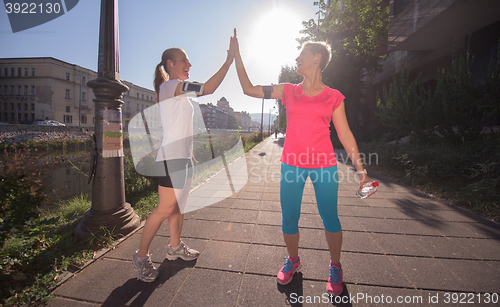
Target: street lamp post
(109, 208)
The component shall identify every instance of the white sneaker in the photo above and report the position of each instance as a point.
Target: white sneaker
(145, 267)
(183, 252)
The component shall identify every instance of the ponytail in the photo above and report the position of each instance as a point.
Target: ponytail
(161, 71)
(160, 77)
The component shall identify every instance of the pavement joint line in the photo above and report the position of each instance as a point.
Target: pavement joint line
(79, 300)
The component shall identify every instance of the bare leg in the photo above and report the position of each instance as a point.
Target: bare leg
(292, 244)
(334, 240)
(175, 221)
(166, 208)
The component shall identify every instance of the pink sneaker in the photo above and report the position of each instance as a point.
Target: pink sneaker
(286, 273)
(335, 285)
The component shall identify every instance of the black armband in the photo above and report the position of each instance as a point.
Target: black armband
(268, 90)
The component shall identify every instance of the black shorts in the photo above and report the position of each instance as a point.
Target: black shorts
(174, 173)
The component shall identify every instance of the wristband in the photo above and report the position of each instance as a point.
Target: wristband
(362, 172)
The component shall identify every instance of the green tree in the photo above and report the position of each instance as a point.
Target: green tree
(354, 30)
(231, 122)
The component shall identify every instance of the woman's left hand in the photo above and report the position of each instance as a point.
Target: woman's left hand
(363, 179)
(194, 159)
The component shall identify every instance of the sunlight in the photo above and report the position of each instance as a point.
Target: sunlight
(272, 42)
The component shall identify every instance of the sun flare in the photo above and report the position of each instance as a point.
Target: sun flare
(272, 42)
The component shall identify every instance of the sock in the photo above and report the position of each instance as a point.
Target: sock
(175, 248)
(143, 258)
(294, 259)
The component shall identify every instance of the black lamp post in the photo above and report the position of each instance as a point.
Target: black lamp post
(109, 208)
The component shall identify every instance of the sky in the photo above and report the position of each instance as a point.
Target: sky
(267, 32)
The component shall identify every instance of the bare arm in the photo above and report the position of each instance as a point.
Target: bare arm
(349, 142)
(248, 88)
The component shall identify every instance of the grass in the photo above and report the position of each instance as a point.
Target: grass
(467, 175)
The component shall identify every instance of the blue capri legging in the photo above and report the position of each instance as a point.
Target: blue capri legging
(326, 186)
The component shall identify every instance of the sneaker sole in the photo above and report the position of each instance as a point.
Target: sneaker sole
(291, 278)
(172, 258)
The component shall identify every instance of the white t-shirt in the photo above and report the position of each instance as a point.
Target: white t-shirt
(176, 115)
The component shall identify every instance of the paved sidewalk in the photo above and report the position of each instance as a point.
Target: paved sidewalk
(399, 244)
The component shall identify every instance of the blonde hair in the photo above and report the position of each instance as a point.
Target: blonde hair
(322, 48)
(161, 72)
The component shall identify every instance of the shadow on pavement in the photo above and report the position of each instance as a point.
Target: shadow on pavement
(280, 141)
(141, 291)
(293, 290)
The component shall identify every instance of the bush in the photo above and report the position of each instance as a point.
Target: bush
(458, 109)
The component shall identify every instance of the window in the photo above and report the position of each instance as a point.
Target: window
(67, 76)
(5, 72)
(142, 96)
(12, 90)
(84, 119)
(25, 90)
(32, 71)
(12, 72)
(68, 119)
(12, 106)
(84, 96)
(5, 90)
(67, 109)
(67, 94)
(19, 72)
(19, 90)
(137, 95)
(32, 107)
(84, 80)
(137, 106)
(25, 107)
(25, 71)
(147, 97)
(142, 107)
(32, 90)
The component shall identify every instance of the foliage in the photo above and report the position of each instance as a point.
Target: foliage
(47, 145)
(457, 110)
(355, 30)
(20, 196)
(249, 141)
(403, 107)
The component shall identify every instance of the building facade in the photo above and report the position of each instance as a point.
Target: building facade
(33, 89)
(422, 35)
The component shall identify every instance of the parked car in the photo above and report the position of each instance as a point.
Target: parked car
(49, 123)
(56, 123)
(3, 123)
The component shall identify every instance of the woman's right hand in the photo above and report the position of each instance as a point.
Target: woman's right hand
(231, 51)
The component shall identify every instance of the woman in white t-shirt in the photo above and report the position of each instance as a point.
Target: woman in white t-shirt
(175, 156)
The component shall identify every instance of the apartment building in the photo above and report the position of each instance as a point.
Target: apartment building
(41, 88)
